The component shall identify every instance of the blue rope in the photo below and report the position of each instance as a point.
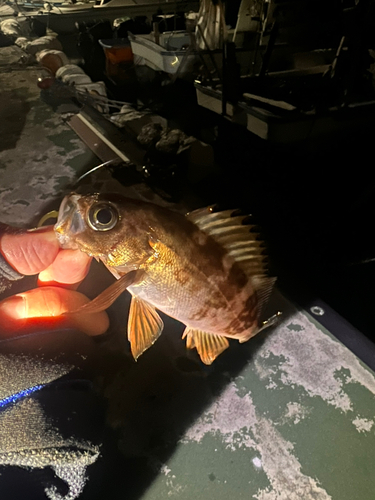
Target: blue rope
(18, 395)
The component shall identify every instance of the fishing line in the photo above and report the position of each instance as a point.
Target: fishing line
(109, 162)
(53, 214)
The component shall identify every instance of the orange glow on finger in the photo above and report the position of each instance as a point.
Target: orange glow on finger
(15, 307)
(43, 302)
(50, 303)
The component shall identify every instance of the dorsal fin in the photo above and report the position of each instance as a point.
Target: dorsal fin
(199, 213)
(240, 242)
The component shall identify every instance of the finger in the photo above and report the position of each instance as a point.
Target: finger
(69, 266)
(30, 252)
(21, 310)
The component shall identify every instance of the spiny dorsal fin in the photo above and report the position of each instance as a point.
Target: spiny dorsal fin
(208, 345)
(240, 242)
(144, 326)
(196, 215)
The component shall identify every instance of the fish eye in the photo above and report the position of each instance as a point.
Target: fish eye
(102, 217)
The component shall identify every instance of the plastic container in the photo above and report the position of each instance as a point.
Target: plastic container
(117, 50)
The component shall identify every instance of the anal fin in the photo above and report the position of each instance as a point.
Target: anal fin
(208, 345)
(144, 326)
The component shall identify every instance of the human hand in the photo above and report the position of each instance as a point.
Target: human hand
(60, 271)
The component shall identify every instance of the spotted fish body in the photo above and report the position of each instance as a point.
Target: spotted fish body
(204, 269)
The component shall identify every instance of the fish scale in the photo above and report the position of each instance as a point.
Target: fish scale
(167, 293)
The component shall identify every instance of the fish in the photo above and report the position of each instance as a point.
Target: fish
(205, 269)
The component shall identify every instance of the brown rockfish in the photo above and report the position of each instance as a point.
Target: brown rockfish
(205, 269)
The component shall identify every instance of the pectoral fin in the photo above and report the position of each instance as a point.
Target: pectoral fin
(144, 326)
(208, 345)
(110, 294)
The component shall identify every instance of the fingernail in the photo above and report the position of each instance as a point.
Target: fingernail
(45, 276)
(14, 307)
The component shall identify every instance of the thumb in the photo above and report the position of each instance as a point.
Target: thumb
(29, 252)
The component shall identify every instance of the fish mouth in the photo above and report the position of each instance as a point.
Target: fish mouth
(69, 222)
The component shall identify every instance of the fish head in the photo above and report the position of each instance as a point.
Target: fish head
(104, 227)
